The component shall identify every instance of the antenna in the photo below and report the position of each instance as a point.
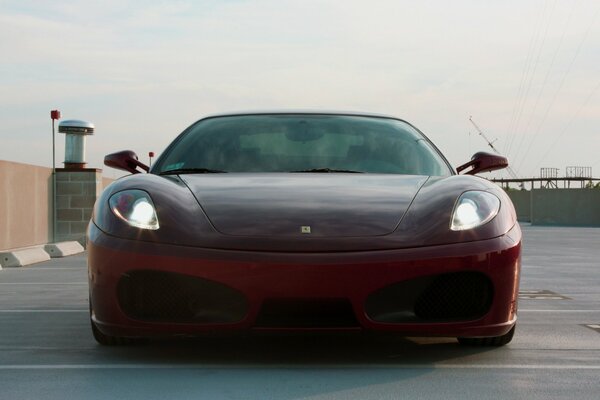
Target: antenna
(491, 144)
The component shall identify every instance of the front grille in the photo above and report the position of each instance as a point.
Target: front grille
(170, 297)
(464, 295)
(440, 298)
(306, 313)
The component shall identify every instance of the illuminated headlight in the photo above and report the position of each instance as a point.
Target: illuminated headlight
(134, 207)
(474, 208)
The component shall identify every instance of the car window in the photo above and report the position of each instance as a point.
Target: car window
(299, 142)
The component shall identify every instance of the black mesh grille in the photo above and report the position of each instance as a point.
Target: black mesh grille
(307, 313)
(464, 295)
(170, 297)
(446, 297)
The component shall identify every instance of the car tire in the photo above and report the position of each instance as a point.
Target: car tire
(494, 341)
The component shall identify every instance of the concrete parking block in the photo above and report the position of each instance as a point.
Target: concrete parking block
(63, 249)
(23, 257)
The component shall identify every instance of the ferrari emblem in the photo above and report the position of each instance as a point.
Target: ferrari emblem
(305, 229)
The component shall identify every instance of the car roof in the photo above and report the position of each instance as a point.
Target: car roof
(300, 112)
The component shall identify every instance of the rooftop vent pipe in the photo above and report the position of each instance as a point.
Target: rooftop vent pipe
(76, 132)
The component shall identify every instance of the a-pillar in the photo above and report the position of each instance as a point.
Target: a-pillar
(76, 193)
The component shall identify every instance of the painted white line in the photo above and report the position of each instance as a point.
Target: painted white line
(519, 366)
(289, 366)
(40, 268)
(557, 311)
(39, 348)
(43, 283)
(44, 311)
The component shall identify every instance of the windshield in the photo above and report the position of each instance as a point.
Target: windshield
(303, 143)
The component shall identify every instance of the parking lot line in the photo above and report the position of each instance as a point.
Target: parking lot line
(43, 283)
(287, 366)
(47, 311)
(558, 311)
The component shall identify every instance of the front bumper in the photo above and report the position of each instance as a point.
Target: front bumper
(262, 277)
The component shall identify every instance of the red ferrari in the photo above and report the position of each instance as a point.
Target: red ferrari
(303, 221)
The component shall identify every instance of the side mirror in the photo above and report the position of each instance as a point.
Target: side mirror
(126, 160)
(483, 162)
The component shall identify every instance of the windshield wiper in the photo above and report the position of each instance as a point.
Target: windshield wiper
(326, 170)
(178, 171)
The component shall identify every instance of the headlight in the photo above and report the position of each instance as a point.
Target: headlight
(134, 207)
(474, 208)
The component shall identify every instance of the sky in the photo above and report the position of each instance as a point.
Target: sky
(527, 71)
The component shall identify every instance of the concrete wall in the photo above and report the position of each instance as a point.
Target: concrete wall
(561, 207)
(522, 201)
(76, 193)
(25, 205)
(106, 181)
(573, 207)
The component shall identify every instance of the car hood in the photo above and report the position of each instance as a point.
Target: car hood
(319, 205)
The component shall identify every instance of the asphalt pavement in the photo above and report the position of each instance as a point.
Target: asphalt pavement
(47, 350)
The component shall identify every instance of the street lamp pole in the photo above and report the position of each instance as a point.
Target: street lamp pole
(54, 114)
